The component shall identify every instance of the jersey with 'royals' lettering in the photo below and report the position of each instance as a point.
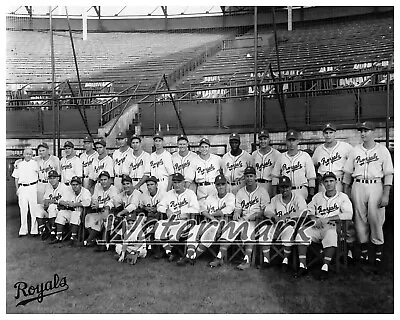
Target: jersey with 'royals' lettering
(99, 165)
(61, 192)
(294, 208)
(208, 169)
(119, 159)
(87, 161)
(185, 165)
(251, 202)
(45, 166)
(265, 163)
(326, 207)
(103, 198)
(183, 204)
(226, 204)
(84, 197)
(137, 167)
(146, 200)
(233, 166)
(161, 165)
(130, 202)
(69, 168)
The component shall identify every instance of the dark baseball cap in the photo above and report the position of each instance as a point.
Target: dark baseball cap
(250, 170)
(204, 140)
(125, 177)
(292, 134)
(131, 217)
(121, 135)
(68, 144)
(220, 179)
(152, 178)
(284, 181)
(43, 145)
(329, 175)
(53, 173)
(135, 136)
(263, 133)
(105, 173)
(76, 179)
(87, 139)
(102, 142)
(177, 177)
(158, 135)
(366, 125)
(182, 137)
(234, 136)
(329, 126)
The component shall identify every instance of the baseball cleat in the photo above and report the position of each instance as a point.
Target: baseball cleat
(243, 266)
(216, 263)
(301, 273)
(132, 259)
(54, 241)
(184, 260)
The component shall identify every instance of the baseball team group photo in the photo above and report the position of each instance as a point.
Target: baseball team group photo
(183, 160)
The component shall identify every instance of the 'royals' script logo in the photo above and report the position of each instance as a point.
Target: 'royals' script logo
(245, 205)
(55, 196)
(292, 168)
(156, 164)
(100, 167)
(119, 162)
(234, 165)
(182, 166)
(136, 165)
(280, 213)
(205, 170)
(66, 166)
(266, 164)
(103, 200)
(46, 169)
(87, 163)
(323, 211)
(176, 205)
(327, 161)
(361, 161)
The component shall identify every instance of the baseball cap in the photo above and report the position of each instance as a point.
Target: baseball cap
(68, 144)
(182, 137)
(135, 136)
(125, 177)
(292, 134)
(204, 140)
(366, 125)
(263, 133)
(43, 145)
(234, 136)
(329, 175)
(76, 179)
(250, 170)
(329, 126)
(177, 177)
(158, 135)
(284, 181)
(102, 142)
(87, 139)
(104, 173)
(121, 135)
(53, 173)
(152, 178)
(131, 217)
(220, 179)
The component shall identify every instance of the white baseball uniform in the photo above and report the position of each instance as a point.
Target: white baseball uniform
(87, 161)
(45, 166)
(368, 167)
(61, 192)
(119, 159)
(161, 168)
(137, 167)
(69, 168)
(27, 174)
(145, 199)
(130, 202)
(186, 166)
(74, 216)
(264, 165)
(233, 169)
(332, 160)
(99, 165)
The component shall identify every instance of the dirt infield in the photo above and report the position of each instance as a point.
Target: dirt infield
(98, 284)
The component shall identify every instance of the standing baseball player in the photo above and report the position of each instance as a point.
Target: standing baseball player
(370, 167)
(331, 156)
(184, 162)
(137, 164)
(298, 166)
(161, 163)
(119, 157)
(233, 164)
(251, 201)
(207, 168)
(324, 208)
(87, 158)
(102, 162)
(264, 160)
(70, 164)
(26, 178)
(46, 163)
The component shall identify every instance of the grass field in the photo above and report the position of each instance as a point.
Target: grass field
(98, 284)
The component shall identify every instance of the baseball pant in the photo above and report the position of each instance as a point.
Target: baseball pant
(95, 220)
(118, 183)
(233, 229)
(203, 192)
(71, 216)
(267, 186)
(41, 213)
(269, 233)
(303, 191)
(171, 234)
(236, 187)
(137, 248)
(368, 217)
(204, 234)
(327, 235)
(191, 185)
(27, 200)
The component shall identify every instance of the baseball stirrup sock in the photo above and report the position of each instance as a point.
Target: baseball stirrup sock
(324, 267)
(285, 260)
(327, 260)
(378, 256)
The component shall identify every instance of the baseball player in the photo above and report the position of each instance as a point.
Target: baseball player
(179, 204)
(207, 168)
(204, 234)
(104, 199)
(233, 164)
(324, 208)
(370, 167)
(264, 160)
(46, 163)
(250, 204)
(102, 162)
(331, 156)
(70, 208)
(137, 164)
(70, 164)
(119, 157)
(26, 177)
(55, 191)
(161, 163)
(87, 159)
(184, 162)
(297, 165)
(283, 207)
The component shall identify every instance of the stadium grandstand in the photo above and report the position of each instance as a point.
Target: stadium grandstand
(230, 69)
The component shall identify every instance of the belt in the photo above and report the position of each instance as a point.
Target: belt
(27, 184)
(235, 183)
(367, 180)
(263, 180)
(135, 179)
(299, 187)
(66, 183)
(118, 176)
(205, 183)
(44, 181)
(86, 176)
